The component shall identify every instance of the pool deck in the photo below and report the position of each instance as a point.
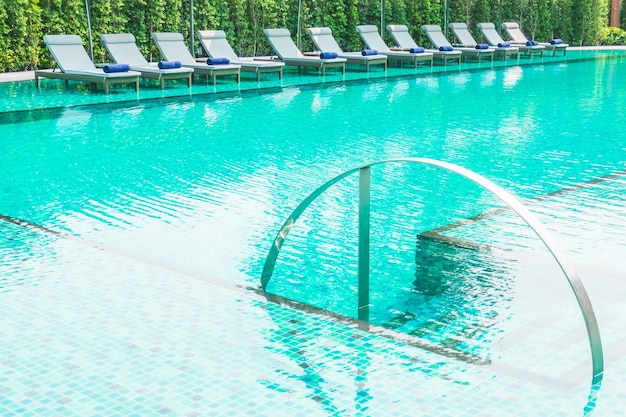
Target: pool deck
(30, 75)
(20, 96)
(8, 77)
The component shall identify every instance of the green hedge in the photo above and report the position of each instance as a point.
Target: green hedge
(24, 22)
(613, 36)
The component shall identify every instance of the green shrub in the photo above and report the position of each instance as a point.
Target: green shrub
(24, 22)
(612, 36)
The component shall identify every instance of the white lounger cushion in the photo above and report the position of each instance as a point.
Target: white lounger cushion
(123, 49)
(71, 57)
(216, 45)
(402, 36)
(283, 44)
(369, 34)
(68, 52)
(173, 48)
(286, 49)
(325, 41)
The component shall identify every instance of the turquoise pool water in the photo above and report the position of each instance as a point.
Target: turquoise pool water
(144, 221)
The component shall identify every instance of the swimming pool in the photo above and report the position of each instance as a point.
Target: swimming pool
(127, 294)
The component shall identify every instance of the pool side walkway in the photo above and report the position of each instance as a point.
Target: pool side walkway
(20, 98)
(8, 77)
(30, 75)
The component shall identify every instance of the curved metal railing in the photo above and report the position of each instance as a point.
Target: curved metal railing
(511, 201)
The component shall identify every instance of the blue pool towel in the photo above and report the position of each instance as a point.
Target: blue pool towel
(417, 50)
(482, 46)
(116, 68)
(328, 55)
(218, 61)
(446, 48)
(169, 64)
(532, 43)
(556, 41)
(504, 45)
(369, 52)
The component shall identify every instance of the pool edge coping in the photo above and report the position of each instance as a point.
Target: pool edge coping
(6, 77)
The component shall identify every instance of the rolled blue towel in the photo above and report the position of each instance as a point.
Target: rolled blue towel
(417, 50)
(504, 45)
(482, 46)
(446, 48)
(369, 52)
(328, 55)
(169, 64)
(218, 61)
(532, 43)
(116, 68)
(556, 41)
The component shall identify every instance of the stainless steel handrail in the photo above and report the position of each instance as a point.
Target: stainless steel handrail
(507, 198)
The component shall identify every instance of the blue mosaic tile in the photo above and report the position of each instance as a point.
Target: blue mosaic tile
(114, 338)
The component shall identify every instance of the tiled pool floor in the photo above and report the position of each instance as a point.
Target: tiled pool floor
(126, 339)
(107, 334)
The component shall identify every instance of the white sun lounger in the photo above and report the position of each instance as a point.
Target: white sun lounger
(493, 38)
(324, 41)
(288, 52)
(173, 48)
(404, 40)
(75, 64)
(438, 39)
(216, 45)
(517, 37)
(370, 36)
(465, 38)
(124, 50)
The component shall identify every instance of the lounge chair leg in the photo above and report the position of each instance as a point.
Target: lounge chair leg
(258, 75)
(280, 74)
